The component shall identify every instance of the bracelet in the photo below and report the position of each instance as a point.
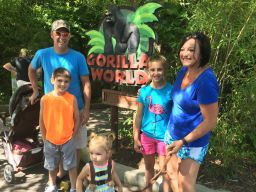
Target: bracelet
(184, 141)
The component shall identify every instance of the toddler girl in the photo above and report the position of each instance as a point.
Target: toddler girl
(100, 172)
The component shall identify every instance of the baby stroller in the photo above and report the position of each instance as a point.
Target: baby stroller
(21, 143)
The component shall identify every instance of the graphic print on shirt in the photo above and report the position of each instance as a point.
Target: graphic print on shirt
(157, 110)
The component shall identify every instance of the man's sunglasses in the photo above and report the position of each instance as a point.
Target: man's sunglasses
(61, 33)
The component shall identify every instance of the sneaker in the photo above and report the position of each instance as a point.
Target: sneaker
(51, 188)
(72, 190)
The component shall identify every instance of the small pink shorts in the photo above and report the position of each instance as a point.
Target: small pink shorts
(152, 146)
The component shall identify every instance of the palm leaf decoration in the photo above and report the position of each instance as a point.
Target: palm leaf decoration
(144, 18)
(146, 31)
(96, 41)
(144, 14)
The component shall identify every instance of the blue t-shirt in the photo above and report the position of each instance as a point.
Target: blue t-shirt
(157, 104)
(186, 114)
(73, 61)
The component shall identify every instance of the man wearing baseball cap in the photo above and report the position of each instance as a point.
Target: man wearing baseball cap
(60, 24)
(60, 55)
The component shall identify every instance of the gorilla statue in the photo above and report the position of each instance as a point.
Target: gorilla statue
(126, 34)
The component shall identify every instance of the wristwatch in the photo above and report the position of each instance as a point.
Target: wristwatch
(184, 141)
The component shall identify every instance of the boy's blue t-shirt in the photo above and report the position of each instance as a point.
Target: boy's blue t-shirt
(186, 114)
(156, 111)
(73, 61)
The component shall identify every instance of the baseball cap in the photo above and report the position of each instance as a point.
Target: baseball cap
(60, 24)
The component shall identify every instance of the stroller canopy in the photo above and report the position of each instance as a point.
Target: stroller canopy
(25, 116)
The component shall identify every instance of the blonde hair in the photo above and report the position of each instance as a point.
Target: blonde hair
(103, 141)
(23, 52)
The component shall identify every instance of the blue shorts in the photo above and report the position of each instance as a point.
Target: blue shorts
(195, 153)
(53, 153)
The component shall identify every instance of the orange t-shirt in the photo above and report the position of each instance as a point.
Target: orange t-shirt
(58, 117)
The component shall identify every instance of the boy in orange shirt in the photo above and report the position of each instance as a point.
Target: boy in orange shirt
(59, 121)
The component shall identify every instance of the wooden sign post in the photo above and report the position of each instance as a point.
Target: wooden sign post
(117, 99)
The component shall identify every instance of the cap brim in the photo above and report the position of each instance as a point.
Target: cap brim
(59, 27)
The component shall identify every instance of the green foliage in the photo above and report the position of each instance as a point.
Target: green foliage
(241, 117)
(16, 32)
(231, 28)
(170, 29)
(126, 128)
(93, 34)
(144, 14)
(146, 31)
(27, 23)
(144, 18)
(97, 41)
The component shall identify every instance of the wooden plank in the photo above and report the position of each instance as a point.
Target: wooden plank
(119, 99)
(4, 108)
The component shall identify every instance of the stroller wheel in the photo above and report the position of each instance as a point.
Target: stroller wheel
(9, 174)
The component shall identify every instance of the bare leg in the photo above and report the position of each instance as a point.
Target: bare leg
(78, 157)
(149, 169)
(188, 171)
(172, 170)
(72, 176)
(52, 177)
(166, 187)
(61, 173)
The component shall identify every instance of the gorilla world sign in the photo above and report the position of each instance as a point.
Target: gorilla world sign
(116, 69)
(120, 49)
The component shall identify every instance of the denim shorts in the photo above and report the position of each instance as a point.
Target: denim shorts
(53, 153)
(195, 153)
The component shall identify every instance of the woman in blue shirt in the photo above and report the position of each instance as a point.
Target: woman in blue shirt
(194, 113)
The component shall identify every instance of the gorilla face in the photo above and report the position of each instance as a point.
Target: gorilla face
(109, 17)
(126, 35)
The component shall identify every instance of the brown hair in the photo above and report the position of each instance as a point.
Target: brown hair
(157, 58)
(204, 46)
(61, 72)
